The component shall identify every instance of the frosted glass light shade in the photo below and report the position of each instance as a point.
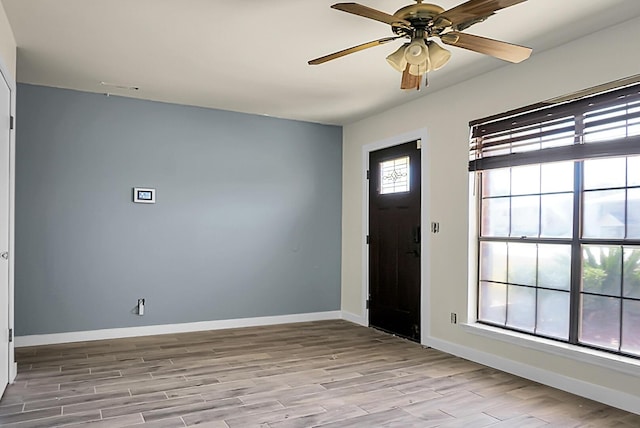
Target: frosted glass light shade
(438, 56)
(397, 60)
(417, 52)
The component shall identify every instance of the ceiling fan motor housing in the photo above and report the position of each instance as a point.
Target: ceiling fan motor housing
(421, 16)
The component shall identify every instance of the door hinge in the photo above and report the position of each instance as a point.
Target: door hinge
(10, 335)
(418, 144)
(368, 174)
(10, 122)
(368, 240)
(367, 303)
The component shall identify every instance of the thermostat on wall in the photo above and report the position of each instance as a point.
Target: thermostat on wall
(144, 195)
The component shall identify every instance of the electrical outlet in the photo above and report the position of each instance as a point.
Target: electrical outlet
(454, 318)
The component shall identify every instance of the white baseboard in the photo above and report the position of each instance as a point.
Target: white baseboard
(356, 319)
(13, 372)
(117, 333)
(611, 397)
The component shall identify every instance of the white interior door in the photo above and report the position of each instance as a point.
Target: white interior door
(5, 113)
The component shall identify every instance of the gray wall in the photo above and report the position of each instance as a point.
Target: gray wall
(246, 224)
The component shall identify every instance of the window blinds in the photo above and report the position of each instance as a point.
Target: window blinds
(606, 124)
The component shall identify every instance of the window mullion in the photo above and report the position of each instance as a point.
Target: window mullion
(576, 255)
(621, 327)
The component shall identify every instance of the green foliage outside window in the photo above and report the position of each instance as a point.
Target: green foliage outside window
(604, 267)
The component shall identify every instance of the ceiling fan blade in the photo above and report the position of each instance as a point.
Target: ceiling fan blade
(409, 81)
(367, 12)
(471, 11)
(351, 50)
(502, 50)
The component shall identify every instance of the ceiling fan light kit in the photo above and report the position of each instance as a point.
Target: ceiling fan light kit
(420, 23)
(436, 57)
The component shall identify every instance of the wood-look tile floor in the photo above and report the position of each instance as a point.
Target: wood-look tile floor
(328, 374)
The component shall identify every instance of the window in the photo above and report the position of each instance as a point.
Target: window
(559, 220)
(394, 175)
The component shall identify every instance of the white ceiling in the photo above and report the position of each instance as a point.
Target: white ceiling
(251, 55)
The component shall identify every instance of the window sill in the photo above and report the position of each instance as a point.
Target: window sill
(618, 363)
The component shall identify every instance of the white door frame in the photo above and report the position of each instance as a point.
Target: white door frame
(418, 134)
(7, 76)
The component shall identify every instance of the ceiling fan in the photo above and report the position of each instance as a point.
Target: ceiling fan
(421, 22)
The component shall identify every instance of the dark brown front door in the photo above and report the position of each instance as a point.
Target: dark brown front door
(394, 240)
